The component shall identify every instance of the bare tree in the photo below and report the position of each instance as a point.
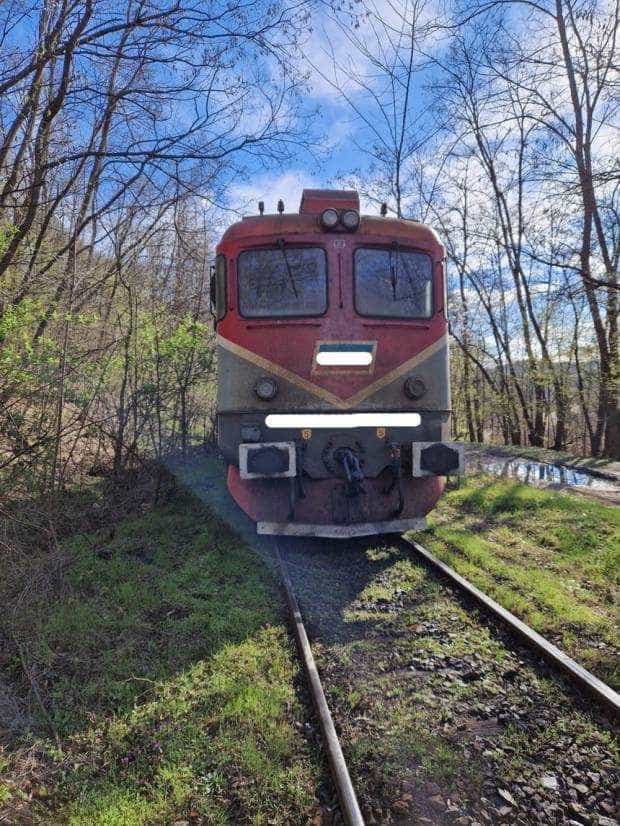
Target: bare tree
(530, 118)
(120, 125)
(568, 77)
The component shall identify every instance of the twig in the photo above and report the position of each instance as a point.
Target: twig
(37, 694)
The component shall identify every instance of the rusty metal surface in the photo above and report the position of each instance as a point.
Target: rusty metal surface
(293, 223)
(314, 201)
(267, 500)
(351, 812)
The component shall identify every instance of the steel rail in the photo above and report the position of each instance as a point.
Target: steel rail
(340, 773)
(576, 672)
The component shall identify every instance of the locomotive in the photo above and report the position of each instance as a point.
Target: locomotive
(333, 407)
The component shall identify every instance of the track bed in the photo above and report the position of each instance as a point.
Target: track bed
(443, 716)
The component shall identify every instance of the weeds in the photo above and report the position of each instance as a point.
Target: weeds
(167, 675)
(552, 558)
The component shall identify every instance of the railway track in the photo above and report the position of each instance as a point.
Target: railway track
(340, 774)
(582, 680)
(577, 674)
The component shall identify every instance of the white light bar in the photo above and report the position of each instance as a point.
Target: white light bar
(343, 359)
(322, 420)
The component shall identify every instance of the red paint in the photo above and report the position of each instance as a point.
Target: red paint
(314, 201)
(290, 343)
(267, 500)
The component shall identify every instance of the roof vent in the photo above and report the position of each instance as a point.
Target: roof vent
(314, 201)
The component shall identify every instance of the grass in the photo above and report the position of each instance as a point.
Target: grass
(552, 558)
(395, 718)
(169, 681)
(430, 700)
(215, 741)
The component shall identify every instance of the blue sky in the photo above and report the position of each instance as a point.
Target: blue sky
(337, 126)
(339, 157)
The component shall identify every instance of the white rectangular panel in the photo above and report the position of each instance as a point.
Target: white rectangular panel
(344, 420)
(343, 359)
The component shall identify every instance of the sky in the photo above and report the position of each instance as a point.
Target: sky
(338, 157)
(338, 127)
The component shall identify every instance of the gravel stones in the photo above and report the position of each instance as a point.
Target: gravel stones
(549, 781)
(507, 797)
(444, 718)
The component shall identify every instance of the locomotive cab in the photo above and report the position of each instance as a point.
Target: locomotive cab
(333, 386)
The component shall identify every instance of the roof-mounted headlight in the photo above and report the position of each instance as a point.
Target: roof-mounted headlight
(350, 219)
(330, 218)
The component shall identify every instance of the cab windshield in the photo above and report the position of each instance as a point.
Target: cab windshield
(393, 283)
(282, 281)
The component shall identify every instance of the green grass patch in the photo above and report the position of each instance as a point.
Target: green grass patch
(216, 740)
(169, 681)
(552, 558)
(402, 575)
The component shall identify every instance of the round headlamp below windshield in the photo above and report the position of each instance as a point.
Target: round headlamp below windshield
(329, 218)
(266, 388)
(350, 219)
(414, 388)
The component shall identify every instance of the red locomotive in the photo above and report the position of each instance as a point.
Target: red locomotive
(333, 389)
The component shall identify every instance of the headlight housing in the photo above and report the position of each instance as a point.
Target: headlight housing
(350, 219)
(266, 388)
(414, 388)
(330, 218)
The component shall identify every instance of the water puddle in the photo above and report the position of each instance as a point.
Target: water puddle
(540, 474)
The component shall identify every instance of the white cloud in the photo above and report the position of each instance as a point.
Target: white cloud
(244, 197)
(334, 50)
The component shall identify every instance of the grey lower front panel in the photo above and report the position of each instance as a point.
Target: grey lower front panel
(340, 531)
(315, 456)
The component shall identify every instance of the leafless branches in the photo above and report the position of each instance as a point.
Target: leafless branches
(119, 124)
(497, 123)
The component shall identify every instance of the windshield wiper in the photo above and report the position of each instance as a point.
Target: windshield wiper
(282, 248)
(393, 276)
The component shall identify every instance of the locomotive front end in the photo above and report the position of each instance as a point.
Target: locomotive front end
(333, 388)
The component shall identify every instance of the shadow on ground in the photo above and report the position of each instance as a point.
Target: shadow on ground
(162, 681)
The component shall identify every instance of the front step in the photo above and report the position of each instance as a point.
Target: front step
(340, 531)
